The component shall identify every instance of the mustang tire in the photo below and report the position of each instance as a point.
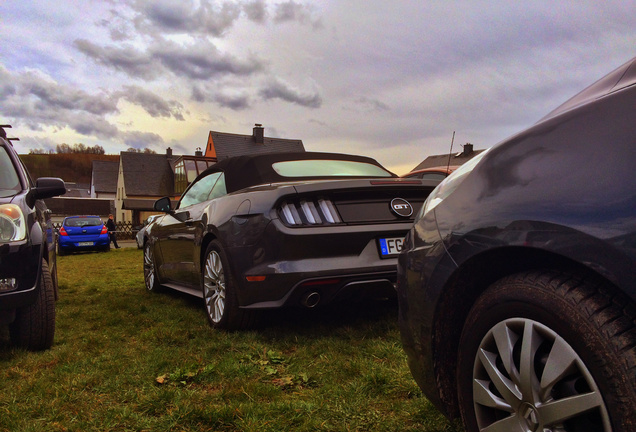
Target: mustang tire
(548, 351)
(34, 325)
(219, 292)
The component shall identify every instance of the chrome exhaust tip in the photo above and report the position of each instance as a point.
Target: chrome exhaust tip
(310, 300)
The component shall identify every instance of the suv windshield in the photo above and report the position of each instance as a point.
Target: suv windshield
(83, 222)
(9, 180)
(328, 168)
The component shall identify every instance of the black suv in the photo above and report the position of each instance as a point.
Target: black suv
(28, 273)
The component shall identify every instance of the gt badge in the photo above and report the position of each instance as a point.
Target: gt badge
(401, 207)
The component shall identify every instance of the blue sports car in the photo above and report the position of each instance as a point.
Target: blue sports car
(81, 233)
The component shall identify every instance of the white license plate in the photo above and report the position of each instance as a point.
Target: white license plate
(391, 246)
(85, 244)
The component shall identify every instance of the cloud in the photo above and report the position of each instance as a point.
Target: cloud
(37, 88)
(185, 17)
(277, 89)
(118, 25)
(86, 124)
(127, 59)
(366, 104)
(152, 103)
(256, 11)
(42, 144)
(296, 12)
(201, 60)
(37, 101)
(140, 140)
(215, 19)
(237, 100)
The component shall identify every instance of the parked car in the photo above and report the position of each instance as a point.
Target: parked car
(28, 270)
(432, 173)
(280, 229)
(517, 283)
(82, 233)
(141, 234)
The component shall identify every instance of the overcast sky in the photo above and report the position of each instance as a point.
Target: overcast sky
(386, 79)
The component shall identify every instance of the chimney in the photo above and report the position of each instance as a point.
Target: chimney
(168, 152)
(259, 134)
(468, 149)
(198, 152)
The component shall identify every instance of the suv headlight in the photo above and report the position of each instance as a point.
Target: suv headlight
(12, 223)
(448, 186)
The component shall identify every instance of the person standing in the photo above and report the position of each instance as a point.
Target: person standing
(112, 230)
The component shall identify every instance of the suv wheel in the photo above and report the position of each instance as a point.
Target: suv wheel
(34, 326)
(547, 351)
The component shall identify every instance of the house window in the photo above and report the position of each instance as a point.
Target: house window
(180, 178)
(191, 169)
(201, 166)
(186, 170)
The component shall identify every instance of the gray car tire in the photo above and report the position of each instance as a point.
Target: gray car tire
(549, 350)
(34, 325)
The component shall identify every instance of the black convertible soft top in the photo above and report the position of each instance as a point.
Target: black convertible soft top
(252, 170)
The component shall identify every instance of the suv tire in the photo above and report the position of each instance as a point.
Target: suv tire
(34, 325)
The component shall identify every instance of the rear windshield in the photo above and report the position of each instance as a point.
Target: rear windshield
(83, 222)
(328, 168)
(9, 180)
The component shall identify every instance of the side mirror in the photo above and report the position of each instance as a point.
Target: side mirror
(46, 187)
(163, 205)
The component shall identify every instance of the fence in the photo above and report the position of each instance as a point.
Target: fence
(125, 230)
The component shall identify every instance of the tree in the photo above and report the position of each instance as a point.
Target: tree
(136, 150)
(79, 148)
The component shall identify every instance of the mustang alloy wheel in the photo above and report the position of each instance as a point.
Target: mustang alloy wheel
(150, 274)
(547, 351)
(214, 287)
(219, 292)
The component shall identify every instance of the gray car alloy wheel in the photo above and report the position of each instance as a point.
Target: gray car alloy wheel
(528, 378)
(214, 287)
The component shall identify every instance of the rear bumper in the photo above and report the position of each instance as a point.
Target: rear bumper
(68, 243)
(326, 264)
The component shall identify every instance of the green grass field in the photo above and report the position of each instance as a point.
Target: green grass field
(127, 360)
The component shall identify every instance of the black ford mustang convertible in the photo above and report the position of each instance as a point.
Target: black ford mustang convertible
(272, 230)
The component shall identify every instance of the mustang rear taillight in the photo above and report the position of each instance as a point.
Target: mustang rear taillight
(309, 212)
(63, 231)
(104, 230)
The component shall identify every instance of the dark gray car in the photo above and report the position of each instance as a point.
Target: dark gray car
(517, 283)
